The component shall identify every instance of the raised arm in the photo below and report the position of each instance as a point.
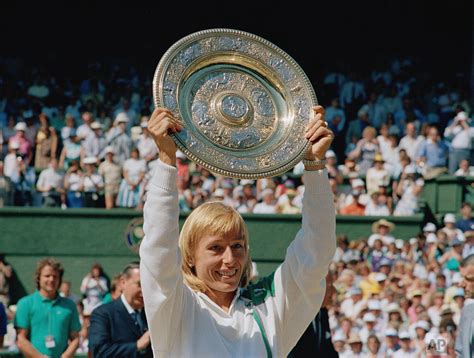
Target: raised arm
(161, 277)
(299, 282)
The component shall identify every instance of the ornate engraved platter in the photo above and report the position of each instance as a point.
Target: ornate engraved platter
(243, 101)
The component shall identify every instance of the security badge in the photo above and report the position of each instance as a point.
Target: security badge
(49, 341)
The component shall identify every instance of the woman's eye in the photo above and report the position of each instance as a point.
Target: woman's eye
(215, 248)
(237, 246)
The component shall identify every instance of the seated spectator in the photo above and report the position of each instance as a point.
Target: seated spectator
(377, 205)
(21, 142)
(288, 206)
(466, 222)
(349, 168)
(450, 228)
(65, 291)
(365, 150)
(268, 205)
(332, 168)
(6, 272)
(377, 176)
(469, 244)
(465, 169)
(50, 185)
(355, 344)
(432, 156)
(358, 185)
(410, 142)
(355, 207)
(381, 230)
(409, 190)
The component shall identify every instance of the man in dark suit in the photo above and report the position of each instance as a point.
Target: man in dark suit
(316, 340)
(119, 328)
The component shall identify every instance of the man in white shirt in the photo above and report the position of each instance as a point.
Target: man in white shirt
(410, 142)
(267, 206)
(50, 184)
(461, 135)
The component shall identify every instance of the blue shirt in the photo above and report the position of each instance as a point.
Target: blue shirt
(435, 153)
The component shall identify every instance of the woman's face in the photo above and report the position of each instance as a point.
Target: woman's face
(220, 262)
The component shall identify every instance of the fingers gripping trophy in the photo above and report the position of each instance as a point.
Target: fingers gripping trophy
(240, 107)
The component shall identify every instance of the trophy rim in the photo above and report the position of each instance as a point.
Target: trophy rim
(158, 101)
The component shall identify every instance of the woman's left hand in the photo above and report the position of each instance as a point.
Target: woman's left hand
(318, 133)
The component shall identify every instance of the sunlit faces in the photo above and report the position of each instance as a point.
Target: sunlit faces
(49, 279)
(220, 261)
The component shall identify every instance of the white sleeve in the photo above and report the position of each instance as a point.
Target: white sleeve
(160, 259)
(299, 283)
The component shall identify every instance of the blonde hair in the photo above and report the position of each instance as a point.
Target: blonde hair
(211, 218)
(369, 131)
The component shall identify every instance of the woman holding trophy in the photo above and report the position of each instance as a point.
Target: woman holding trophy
(195, 284)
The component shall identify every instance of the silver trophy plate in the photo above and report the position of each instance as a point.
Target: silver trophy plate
(244, 103)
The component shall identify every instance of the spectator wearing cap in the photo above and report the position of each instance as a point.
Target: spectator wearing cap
(355, 344)
(93, 184)
(72, 150)
(368, 328)
(365, 150)
(118, 138)
(112, 174)
(267, 206)
(394, 315)
(377, 175)
(421, 328)
(20, 141)
(146, 145)
(406, 350)
(353, 305)
(228, 187)
(339, 341)
(94, 145)
(381, 229)
(461, 135)
(450, 228)
(415, 300)
(124, 109)
(466, 222)
(409, 190)
(457, 304)
(354, 202)
(248, 190)
(332, 168)
(432, 155)
(131, 187)
(74, 185)
(429, 228)
(390, 345)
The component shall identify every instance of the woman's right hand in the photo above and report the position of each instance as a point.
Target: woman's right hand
(160, 125)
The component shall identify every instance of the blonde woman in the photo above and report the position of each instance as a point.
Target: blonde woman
(196, 296)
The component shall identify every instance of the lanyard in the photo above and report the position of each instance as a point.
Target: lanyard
(262, 330)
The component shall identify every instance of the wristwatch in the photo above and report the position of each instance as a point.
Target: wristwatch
(314, 163)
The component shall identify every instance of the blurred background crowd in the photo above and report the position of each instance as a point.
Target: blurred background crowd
(83, 142)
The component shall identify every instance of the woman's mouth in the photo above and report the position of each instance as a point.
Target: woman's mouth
(227, 273)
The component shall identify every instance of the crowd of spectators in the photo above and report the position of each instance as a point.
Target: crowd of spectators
(390, 294)
(83, 142)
